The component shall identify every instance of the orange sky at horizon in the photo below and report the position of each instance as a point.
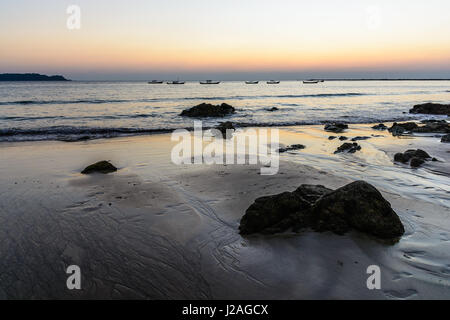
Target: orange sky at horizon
(136, 42)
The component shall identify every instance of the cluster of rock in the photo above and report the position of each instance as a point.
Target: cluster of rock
(205, 110)
(356, 206)
(431, 108)
(429, 126)
(348, 147)
(415, 158)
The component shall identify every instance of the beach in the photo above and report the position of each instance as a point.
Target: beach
(157, 230)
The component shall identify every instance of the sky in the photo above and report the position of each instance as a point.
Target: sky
(227, 40)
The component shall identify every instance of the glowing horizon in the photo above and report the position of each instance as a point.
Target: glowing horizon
(222, 37)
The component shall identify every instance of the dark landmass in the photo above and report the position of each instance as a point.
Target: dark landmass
(30, 77)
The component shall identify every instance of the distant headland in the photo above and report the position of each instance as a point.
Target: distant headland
(30, 77)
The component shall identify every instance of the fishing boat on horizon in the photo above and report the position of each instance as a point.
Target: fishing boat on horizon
(251, 82)
(209, 82)
(155, 82)
(311, 81)
(273, 82)
(176, 82)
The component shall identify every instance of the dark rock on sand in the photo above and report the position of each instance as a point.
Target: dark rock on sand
(431, 108)
(358, 206)
(431, 126)
(335, 127)
(416, 162)
(360, 138)
(380, 126)
(291, 148)
(208, 110)
(273, 109)
(398, 129)
(332, 137)
(100, 167)
(278, 212)
(415, 157)
(348, 147)
(446, 138)
(343, 138)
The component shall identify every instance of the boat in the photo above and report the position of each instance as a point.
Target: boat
(155, 82)
(251, 82)
(273, 82)
(209, 82)
(176, 82)
(311, 81)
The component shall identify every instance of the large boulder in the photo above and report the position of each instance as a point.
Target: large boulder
(356, 206)
(100, 167)
(431, 108)
(359, 206)
(204, 110)
(273, 214)
(398, 129)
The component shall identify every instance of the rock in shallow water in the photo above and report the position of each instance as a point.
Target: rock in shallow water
(446, 138)
(208, 110)
(358, 206)
(100, 167)
(431, 108)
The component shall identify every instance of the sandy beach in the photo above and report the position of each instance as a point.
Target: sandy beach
(156, 230)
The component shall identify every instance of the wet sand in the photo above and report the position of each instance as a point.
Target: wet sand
(156, 230)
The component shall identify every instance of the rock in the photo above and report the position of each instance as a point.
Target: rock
(100, 167)
(278, 211)
(430, 126)
(416, 162)
(291, 148)
(224, 126)
(434, 126)
(208, 110)
(335, 127)
(380, 126)
(343, 138)
(398, 129)
(348, 147)
(415, 157)
(358, 206)
(446, 138)
(431, 108)
(273, 109)
(332, 137)
(360, 138)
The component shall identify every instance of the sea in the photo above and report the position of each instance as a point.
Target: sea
(75, 110)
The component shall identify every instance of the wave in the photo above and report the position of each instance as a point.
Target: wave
(103, 101)
(70, 133)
